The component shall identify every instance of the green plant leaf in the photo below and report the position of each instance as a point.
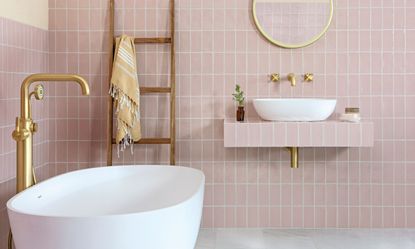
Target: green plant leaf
(238, 96)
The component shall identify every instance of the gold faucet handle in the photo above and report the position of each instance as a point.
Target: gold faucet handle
(308, 77)
(20, 135)
(275, 77)
(39, 92)
(23, 129)
(34, 127)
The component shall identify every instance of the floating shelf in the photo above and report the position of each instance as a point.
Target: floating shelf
(258, 133)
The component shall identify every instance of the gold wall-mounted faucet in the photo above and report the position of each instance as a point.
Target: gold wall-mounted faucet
(292, 78)
(25, 127)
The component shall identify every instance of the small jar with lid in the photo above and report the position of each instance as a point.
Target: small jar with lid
(352, 114)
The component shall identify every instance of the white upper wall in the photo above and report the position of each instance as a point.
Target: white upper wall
(32, 12)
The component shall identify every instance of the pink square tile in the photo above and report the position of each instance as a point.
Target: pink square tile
(252, 195)
(241, 214)
(292, 135)
(343, 217)
(208, 218)
(275, 217)
(242, 132)
(230, 220)
(230, 135)
(267, 134)
(219, 217)
(280, 134)
(330, 133)
(254, 135)
(304, 134)
(317, 135)
(253, 217)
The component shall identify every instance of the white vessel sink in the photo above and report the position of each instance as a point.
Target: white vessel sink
(294, 109)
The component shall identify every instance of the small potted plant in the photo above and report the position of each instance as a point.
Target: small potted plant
(238, 96)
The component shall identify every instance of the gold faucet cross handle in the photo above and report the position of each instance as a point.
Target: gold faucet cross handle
(275, 77)
(308, 77)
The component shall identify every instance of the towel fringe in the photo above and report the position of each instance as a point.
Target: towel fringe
(126, 141)
(123, 100)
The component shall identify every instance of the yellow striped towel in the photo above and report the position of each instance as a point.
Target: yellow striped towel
(126, 93)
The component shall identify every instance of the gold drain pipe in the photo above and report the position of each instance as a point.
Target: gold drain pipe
(294, 157)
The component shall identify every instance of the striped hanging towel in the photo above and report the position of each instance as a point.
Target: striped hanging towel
(126, 93)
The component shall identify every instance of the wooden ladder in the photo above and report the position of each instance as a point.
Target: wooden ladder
(147, 90)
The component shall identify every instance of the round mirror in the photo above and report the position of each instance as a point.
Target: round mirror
(293, 23)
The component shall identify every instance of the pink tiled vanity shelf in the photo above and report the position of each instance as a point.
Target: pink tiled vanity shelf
(331, 133)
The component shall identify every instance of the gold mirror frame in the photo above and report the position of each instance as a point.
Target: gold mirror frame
(285, 45)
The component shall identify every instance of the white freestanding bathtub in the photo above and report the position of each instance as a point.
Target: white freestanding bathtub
(124, 207)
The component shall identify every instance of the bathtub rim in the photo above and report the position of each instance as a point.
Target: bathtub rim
(201, 185)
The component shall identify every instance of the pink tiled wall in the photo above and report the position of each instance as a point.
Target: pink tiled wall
(76, 37)
(23, 51)
(366, 59)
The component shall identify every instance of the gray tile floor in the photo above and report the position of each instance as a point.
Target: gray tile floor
(306, 239)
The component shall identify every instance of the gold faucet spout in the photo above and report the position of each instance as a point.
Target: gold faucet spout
(24, 91)
(291, 77)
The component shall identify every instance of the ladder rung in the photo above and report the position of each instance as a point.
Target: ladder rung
(150, 141)
(155, 90)
(152, 40)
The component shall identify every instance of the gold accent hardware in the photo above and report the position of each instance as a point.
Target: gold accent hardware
(34, 127)
(38, 92)
(275, 77)
(25, 127)
(10, 240)
(308, 77)
(20, 134)
(352, 110)
(292, 78)
(287, 45)
(10, 237)
(294, 157)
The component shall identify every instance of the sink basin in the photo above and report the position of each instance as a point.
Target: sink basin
(294, 109)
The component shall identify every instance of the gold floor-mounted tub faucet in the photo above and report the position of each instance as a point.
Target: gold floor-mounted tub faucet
(25, 127)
